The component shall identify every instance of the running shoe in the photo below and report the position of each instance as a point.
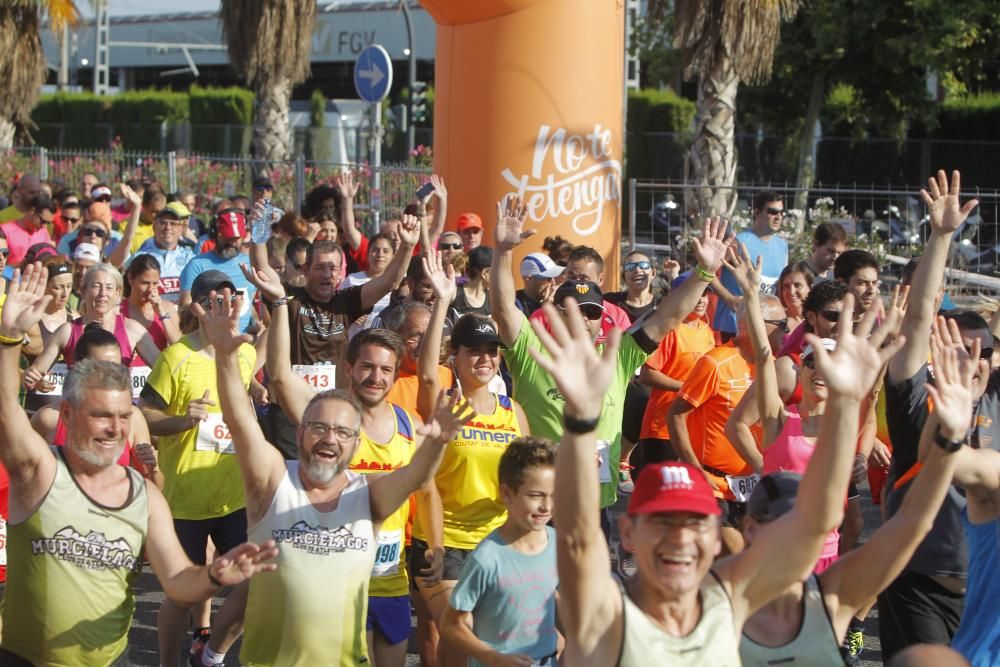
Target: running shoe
(853, 646)
(199, 640)
(625, 483)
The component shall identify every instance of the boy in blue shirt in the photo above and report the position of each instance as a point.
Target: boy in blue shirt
(503, 610)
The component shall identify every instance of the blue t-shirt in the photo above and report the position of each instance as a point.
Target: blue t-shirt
(172, 263)
(512, 596)
(67, 244)
(231, 267)
(775, 254)
(978, 636)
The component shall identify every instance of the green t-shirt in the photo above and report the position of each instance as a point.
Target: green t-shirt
(537, 393)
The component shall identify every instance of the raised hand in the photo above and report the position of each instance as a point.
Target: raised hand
(451, 412)
(954, 373)
(220, 324)
(946, 215)
(409, 230)
(242, 562)
(346, 184)
(509, 231)
(746, 272)
(442, 277)
(851, 370)
(440, 191)
(266, 280)
(26, 301)
(130, 195)
(581, 373)
(711, 248)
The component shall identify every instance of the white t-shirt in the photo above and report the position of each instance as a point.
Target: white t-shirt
(360, 278)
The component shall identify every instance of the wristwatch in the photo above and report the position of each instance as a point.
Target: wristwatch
(944, 443)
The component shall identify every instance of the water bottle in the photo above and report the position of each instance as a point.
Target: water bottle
(262, 225)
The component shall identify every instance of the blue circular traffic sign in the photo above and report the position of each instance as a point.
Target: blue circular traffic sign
(373, 74)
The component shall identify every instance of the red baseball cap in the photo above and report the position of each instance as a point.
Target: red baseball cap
(231, 223)
(469, 221)
(672, 487)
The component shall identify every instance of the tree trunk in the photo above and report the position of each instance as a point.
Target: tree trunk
(807, 145)
(7, 129)
(271, 133)
(713, 153)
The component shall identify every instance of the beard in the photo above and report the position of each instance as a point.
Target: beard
(92, 458)
(364, 398)
(319, 473)
(228, 252)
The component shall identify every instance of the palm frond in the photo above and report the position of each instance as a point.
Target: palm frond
(22, 60)
(269, 40)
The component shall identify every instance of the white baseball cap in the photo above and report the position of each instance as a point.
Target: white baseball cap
(540, 265)
(87, 251)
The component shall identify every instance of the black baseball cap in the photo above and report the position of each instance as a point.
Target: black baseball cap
(474, 330)
(210, 280)
(584, 291)
(773, 496)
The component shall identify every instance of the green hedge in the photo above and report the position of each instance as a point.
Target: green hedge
(221, 106)
(652, 111)
(82, 114)
(970, 117)
(137, 116)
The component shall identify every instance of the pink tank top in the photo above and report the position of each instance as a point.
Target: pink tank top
(121, 334)
(156, 331)
(791, 452)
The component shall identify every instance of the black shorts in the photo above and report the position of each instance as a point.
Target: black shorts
(732, 513)
(453, 559)
(226, 532)
(915, 609)
(636, 398)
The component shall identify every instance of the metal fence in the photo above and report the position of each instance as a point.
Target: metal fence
(890, 222)
(383, 192)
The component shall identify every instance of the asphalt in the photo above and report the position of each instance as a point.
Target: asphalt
(143, 648)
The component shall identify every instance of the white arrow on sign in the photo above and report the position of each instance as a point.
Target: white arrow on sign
(374, 75)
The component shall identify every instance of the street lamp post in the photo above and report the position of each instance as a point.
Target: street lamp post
(410, 129)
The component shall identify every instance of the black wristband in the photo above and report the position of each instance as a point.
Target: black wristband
(944, 443)
(215, 582)
(576, 425)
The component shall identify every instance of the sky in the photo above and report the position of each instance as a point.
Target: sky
(132, 7)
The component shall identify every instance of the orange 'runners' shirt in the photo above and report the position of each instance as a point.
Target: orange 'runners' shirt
(675, 357)
(715, 386)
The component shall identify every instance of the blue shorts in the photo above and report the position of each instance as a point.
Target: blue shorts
(390, 617)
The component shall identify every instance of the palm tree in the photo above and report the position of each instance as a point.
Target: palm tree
(724, 42)
(269, 44)
(22, 60)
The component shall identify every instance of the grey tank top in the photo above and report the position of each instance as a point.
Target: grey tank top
(814, 646)
(714, 642)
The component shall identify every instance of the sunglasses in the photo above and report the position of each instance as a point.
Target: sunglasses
(830, 315)
(206, 303)
(985, 353)
(590, 312)
(809, 362)
(94, 231)
(449, 246)
(637, 266)
(71, 221)
(104, 198)
(775, 211)
(4, 252)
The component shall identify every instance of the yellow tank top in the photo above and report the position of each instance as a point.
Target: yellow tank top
(71, 569)
(389, 578)
(467, 479)
(714, 642)
(312, 609)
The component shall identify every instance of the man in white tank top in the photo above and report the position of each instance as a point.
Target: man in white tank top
(680, 606)
(323, 516)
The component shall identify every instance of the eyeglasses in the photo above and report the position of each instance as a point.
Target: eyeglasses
(985, 353)
(321, 429)
(71, 221)
(206, 302)
(637, 266)
(775, 211)
(170, 223)
(590, 312)
(94, 231)
(449, 246)
(4, 252)
(103, 198)
(781, 324)
(830, 315)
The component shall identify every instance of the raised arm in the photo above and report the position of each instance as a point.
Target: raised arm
(260, 463)
(709, 250)
(347, 186)
(118, 256)
(872, 567)
(589, 600)
(785, 551)
(770, 407)
(946, 216)
(376, 288)
(508, 234)
(23, 452)
(389, 491)
(738, 430)
(440, 211)
(291, 392)
(443, 281)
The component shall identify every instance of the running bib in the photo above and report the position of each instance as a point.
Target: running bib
(743, 486)
(387, 555)
(57, 376)
(319, 377)
(214, 436)
(139, 375)
(604, 465)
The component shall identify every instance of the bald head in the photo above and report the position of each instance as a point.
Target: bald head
(928, 655)
(27, 189)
